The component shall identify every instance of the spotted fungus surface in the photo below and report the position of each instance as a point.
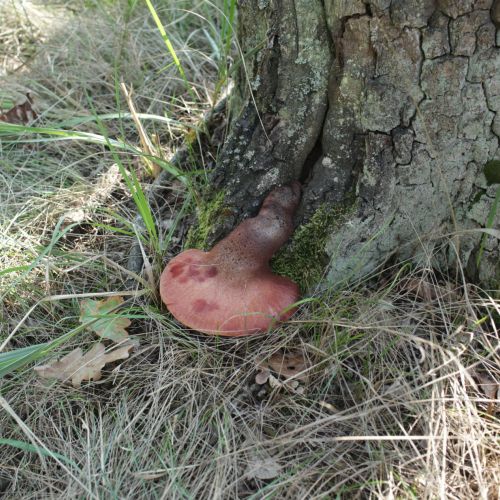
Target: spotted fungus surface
(231, 289)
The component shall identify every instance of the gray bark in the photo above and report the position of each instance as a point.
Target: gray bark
(390, 107)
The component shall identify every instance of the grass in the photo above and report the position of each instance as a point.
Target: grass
(394, 403)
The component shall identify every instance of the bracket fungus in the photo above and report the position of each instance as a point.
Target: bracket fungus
(231, 289)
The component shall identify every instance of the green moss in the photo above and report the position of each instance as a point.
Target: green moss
(207, 213)
(492, 172)
(304, 259)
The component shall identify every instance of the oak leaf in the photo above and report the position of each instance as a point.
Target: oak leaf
(429, 292)
(77, 367)
(111, 326)
(21, 113)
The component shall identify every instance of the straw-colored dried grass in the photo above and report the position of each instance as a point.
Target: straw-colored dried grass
(393, 405)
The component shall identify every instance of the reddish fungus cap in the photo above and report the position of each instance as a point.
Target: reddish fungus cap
(231, 290)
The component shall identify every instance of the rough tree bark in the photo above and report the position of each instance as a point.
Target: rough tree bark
(386, 111)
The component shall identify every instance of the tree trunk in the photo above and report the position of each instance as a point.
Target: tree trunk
(387, 112)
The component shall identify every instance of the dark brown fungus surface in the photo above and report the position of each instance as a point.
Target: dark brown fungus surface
(231, 290)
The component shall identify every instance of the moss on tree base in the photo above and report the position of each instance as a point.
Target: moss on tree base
(207, 213)
(304, 259)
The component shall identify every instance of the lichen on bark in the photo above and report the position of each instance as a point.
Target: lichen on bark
(281, 101)
(423, 155)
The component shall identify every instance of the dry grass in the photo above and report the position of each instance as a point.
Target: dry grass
(392, 405)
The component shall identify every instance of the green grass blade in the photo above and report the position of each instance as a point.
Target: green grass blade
(134, 187)
(113, 229)
(227, 24)
(9, 129)
(22, 445)
(7, 357)
(14, 269)
(80, 120)
(18, 358)
(170, 47)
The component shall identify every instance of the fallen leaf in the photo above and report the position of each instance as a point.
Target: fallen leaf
(78, 367)
(428, 292)
(490, 388)
(20, 113)
(487, 385)
(112, 327)
(289, 365)
(263, 467)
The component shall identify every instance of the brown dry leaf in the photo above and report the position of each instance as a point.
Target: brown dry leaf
(490, 388)
(289, 365)
(21, 114)
(422, 289)
(112, 327)
(428, 292)
(78, 367)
